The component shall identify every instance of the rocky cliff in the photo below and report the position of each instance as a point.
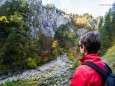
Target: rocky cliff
(46, 19)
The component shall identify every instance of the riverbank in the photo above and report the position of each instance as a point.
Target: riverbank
(57, 72)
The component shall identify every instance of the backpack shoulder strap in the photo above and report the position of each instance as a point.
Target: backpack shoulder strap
(97, 68)
(108, 69)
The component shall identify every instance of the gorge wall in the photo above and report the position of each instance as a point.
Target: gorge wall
(46, 18)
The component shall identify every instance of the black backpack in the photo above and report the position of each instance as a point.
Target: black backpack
(108, 76)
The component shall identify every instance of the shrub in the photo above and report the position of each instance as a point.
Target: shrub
(61, 51)
(110, 55)
(18, 83)
(38, 60)
(74, 64)
(73, 54)
(55, 51)
(55, 44)
(4, 19)
(45, 60)
(31, 63)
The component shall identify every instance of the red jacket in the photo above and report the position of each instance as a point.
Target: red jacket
(85, 75)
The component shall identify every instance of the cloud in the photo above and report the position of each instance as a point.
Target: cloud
(82, 6)
(48, 1)
(107, 1)
(66, 5)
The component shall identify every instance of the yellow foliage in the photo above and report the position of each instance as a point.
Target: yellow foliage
(4, 19)
(55, 44)
(70, 55)
(31, 63)
(29, 59)
(79, 62)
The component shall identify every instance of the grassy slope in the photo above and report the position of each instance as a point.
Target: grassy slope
(110, 57)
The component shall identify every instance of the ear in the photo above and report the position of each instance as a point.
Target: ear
(85, 50)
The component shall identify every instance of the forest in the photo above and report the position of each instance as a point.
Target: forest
(20, 51)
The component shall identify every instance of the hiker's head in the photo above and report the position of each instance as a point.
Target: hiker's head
(90, 43)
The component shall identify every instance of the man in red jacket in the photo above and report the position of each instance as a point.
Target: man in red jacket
(85, 75)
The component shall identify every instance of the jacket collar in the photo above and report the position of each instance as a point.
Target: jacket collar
(90, 57)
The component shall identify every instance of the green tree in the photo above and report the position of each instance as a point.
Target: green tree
(107, 31)
(15, 49)
(66, 33)
(16, 34)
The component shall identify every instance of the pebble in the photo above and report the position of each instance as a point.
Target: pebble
(56, 68)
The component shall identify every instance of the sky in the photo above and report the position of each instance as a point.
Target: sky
(94, 7)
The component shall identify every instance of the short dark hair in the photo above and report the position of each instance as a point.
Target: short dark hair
(91, 41)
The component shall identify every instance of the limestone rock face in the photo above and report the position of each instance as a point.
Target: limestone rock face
(46, 19)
